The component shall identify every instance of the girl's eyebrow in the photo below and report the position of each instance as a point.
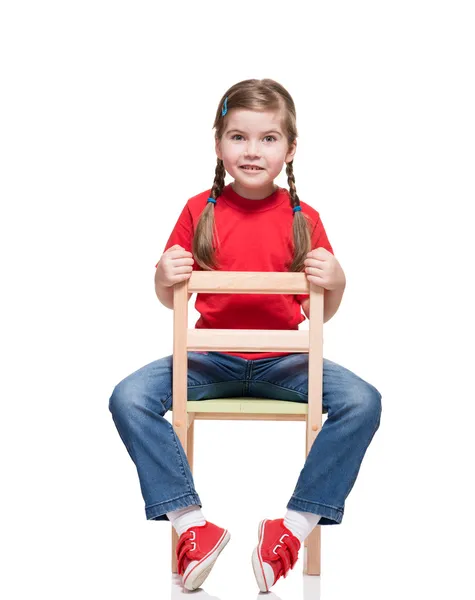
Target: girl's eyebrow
(263, 133)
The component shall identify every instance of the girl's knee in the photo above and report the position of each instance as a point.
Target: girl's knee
(129, 400)
(122, 399)
(363, 400)
(369, 401)
(147, 389)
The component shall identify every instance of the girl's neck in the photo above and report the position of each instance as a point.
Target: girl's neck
(256, 194)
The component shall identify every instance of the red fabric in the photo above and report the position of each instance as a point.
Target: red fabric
(252, 235)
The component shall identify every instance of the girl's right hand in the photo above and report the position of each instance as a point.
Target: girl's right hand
(175, 265)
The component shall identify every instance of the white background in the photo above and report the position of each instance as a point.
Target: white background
(105, 131)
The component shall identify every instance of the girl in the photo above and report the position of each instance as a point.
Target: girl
(249, 225)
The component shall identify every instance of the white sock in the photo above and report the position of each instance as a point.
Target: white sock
(187, 517)
(300, 524)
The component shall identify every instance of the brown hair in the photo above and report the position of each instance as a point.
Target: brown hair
(253, 94)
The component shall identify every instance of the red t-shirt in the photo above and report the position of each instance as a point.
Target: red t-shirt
(252, 235)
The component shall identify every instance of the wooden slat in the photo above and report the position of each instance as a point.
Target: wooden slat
(248, 282)
(312, 562)
(248, 340)
(180, 362)
(315, 367)
(180, 380)
(247, 417)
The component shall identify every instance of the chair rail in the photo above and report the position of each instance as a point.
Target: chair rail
(248, 282)
(248, 340)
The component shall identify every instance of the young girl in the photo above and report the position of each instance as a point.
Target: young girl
(249, 225)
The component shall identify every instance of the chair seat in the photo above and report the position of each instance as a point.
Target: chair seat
(247, 405)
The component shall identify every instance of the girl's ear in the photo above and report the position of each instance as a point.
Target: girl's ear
(218, 149)
(291, 152)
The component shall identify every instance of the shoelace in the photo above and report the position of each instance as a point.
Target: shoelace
(288, 551)
(185, 543)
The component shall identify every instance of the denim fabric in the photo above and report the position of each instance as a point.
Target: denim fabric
(353, 407)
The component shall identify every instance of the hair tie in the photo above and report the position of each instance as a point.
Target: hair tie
(225, 107)
(296, 208)
(212, 200)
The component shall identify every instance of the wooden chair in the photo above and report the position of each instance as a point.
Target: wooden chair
(184, 412)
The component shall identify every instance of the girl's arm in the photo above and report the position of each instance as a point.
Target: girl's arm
(165, 294)
(323, 269)
(331, 302)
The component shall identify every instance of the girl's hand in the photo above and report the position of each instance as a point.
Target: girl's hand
(323, 269)
(174, 266)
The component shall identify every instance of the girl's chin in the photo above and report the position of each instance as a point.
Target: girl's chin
(253, 180)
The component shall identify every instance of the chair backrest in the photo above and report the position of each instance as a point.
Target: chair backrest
(244, 340)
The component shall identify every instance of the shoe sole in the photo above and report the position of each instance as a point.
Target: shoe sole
(199, 572)
(257, 561)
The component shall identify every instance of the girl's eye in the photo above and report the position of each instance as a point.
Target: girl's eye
(238, 135)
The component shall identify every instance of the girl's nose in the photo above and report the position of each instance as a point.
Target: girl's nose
(252, 149)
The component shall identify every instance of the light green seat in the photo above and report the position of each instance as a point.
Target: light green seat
(247, 405)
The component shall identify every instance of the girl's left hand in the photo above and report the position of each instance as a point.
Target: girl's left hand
(324, 270)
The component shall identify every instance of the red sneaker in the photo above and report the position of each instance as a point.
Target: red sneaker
(197, 550)
(276, 553)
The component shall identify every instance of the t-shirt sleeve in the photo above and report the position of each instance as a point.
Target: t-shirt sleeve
(182, 233)
(319, 240)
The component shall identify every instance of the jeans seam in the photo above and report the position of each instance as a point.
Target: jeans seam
(216, 382)
(174, 436)
(247, 384)
(170, 500)
(285, 388)
(168, 406)
(282, 387)
(321, 503)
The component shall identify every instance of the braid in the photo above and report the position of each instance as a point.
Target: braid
(218, 183)
(203, 250)
(294, 199)
(300, 227)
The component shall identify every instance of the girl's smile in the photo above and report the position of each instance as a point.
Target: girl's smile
(252, 170)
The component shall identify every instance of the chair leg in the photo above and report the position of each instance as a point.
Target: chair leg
(312, 562)
(174, 543)
(190, 444)
(189, 454)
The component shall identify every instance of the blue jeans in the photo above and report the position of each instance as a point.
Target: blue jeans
(139, 402)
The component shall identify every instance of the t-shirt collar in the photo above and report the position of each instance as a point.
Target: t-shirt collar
(235, 200)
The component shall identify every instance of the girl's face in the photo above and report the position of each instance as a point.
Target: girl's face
(254, 138)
